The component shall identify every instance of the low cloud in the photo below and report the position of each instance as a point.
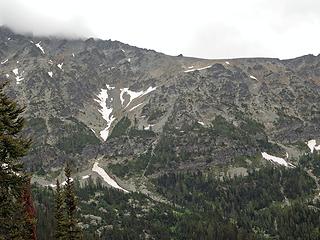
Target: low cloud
(23, 19)
(207, 29)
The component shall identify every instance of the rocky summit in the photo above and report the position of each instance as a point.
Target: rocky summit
(146, 113)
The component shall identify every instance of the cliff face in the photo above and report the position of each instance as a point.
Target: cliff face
(92, 97)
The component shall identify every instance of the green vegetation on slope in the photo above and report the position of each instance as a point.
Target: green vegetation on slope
(74, 135)
(121, 127)
(272, 203)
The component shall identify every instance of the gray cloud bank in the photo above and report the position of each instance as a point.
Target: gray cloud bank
(203, 28)
(24, 20)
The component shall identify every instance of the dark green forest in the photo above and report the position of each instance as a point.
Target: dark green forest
(270, 203)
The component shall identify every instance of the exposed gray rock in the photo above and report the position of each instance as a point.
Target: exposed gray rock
(64, 120)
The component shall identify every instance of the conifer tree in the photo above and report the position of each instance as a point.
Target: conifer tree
(73, 230)
(13, 218)
(29, 210)
(60, 231)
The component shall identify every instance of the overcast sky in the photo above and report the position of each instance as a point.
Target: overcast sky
(199, 28)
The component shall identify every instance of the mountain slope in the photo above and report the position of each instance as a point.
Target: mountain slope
(77, 91)
(166, 147)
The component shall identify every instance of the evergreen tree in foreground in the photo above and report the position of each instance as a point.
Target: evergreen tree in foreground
(60, 231)
(66, 221)
(29, 210)
(15, 198)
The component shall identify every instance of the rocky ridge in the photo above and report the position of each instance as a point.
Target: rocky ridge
(148, 113)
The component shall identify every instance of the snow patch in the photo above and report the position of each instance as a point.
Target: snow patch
(150, 89)
(19, 78)
(72, 54)
(7, 75)
(15, 71)
(149, 127)
(253, 77)
(109, 87)
(106, 177)
(133, 95)
(227, 63)
(3, 62)
(202, 123)
(50, 74)
(104, 133)
(40, 47)
(60, 65)
(312, 144)
(105, 111)
(65, 182)
(85, 177)
(129, 60)
(4, 166)
(197, 69)
(277, 160)
(135, 107)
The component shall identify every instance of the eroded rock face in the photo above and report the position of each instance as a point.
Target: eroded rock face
(240, 103)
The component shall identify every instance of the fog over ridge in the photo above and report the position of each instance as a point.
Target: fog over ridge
(206, 29)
